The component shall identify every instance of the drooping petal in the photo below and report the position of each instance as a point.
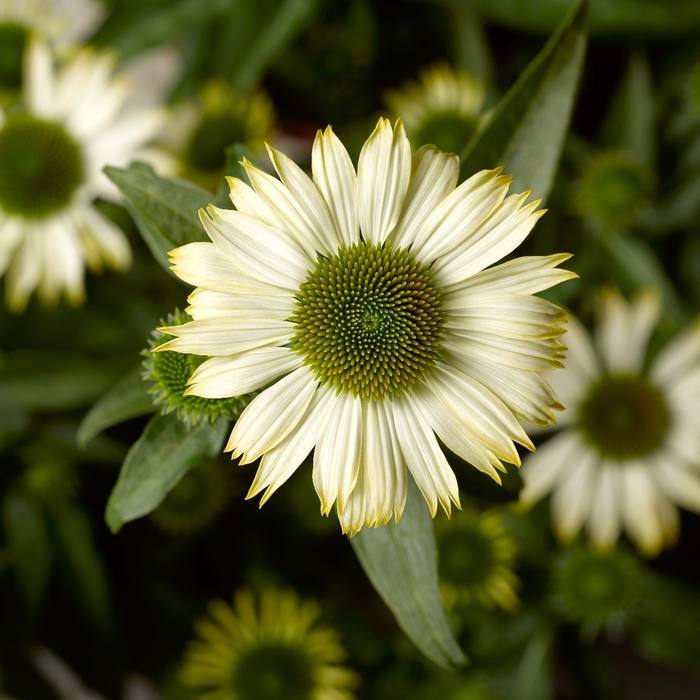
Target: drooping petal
(422, 453)
(639, 510)
(236, 375)
(338, 453)
(434, 175)
(271, 416)
(605, 516)
(334, 175)
(383, 173)
(680, 356)
(571, 500)
(102, 240)
(38, 79)
(279, 463)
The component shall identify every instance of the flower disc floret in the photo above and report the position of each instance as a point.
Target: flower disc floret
(368, 320)
(41, 167)
(624, 417)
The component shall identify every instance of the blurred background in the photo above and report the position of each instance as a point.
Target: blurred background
(119, 609)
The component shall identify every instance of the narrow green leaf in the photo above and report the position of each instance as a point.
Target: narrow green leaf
(526, 130)
(631, 124)
(27, 537)
(128, 398)
(54, 381)
(165, 209)
(533, 676)
(400, 560)
(165, 452)
(278, 28)
(470, 47)
(75, 535)
(607, 16)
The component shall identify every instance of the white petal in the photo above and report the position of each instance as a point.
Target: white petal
(204, 265)
(10, 237)
(279, 463)
(542, 471)
(271, 416)
(38, 79)
(571, 500)
(334, 175)
(639, 509)
(460, 214)
(63, 262)
(221, 336)
(422, 453)
(310, 204)
(249, 202)
(383, 172)
(678, 358)
(526, 275)
(256, 249)
(606, 507)
(624, 330)
(680, 482)
(287, 212)
(25, 270)
(102, 240)
(338, 453)
(206, 303)
(500, 234)
(222, 377)
(434, 175)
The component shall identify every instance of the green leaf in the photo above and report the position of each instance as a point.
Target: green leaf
(128, 398)
(52, 381)
(75, 535)
(165, 452)
(631, 123)
(276, 29)
(400, 560)
(470, 47)
(165, 209)
(533, 679)
(27, 537)
(526, 131)
(607, 16)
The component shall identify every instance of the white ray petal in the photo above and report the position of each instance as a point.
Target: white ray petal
(311, 205)
(248, 201)
(383, 173)
(500, 234)
(624, 330)
(102, 240)
(678, 481)
(204, 265)
(279, 463)
(338, 453)
(271, 416)
(605, 515)
(221, 336)
(25, 270)
(11, 235)
(639, 511)
(422, 453)
(680, 355)
(235, 375)
(460, 214)
(334, 175)
(434, 175)
(571, 500)
(543, 471)
(206, 303)
(256, 249)
(38, 79)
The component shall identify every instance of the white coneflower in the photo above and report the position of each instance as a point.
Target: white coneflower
(52, 154)
(442, 108)
(364, 299)
(631, 448)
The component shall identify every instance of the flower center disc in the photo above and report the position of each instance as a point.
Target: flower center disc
(624, 417)
(274, 671)
(368, 320)
(41, 167)
(13, 37)
(449, 131)
(467, 557)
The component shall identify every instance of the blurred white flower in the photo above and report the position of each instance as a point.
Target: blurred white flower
(74, 123)
(630, 451)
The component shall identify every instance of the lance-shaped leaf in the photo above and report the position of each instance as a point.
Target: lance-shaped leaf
(525, 133)
(165, 209)
(607, 16)
(28, 540)
(128, 398)
(165, 452)
(400, 559)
